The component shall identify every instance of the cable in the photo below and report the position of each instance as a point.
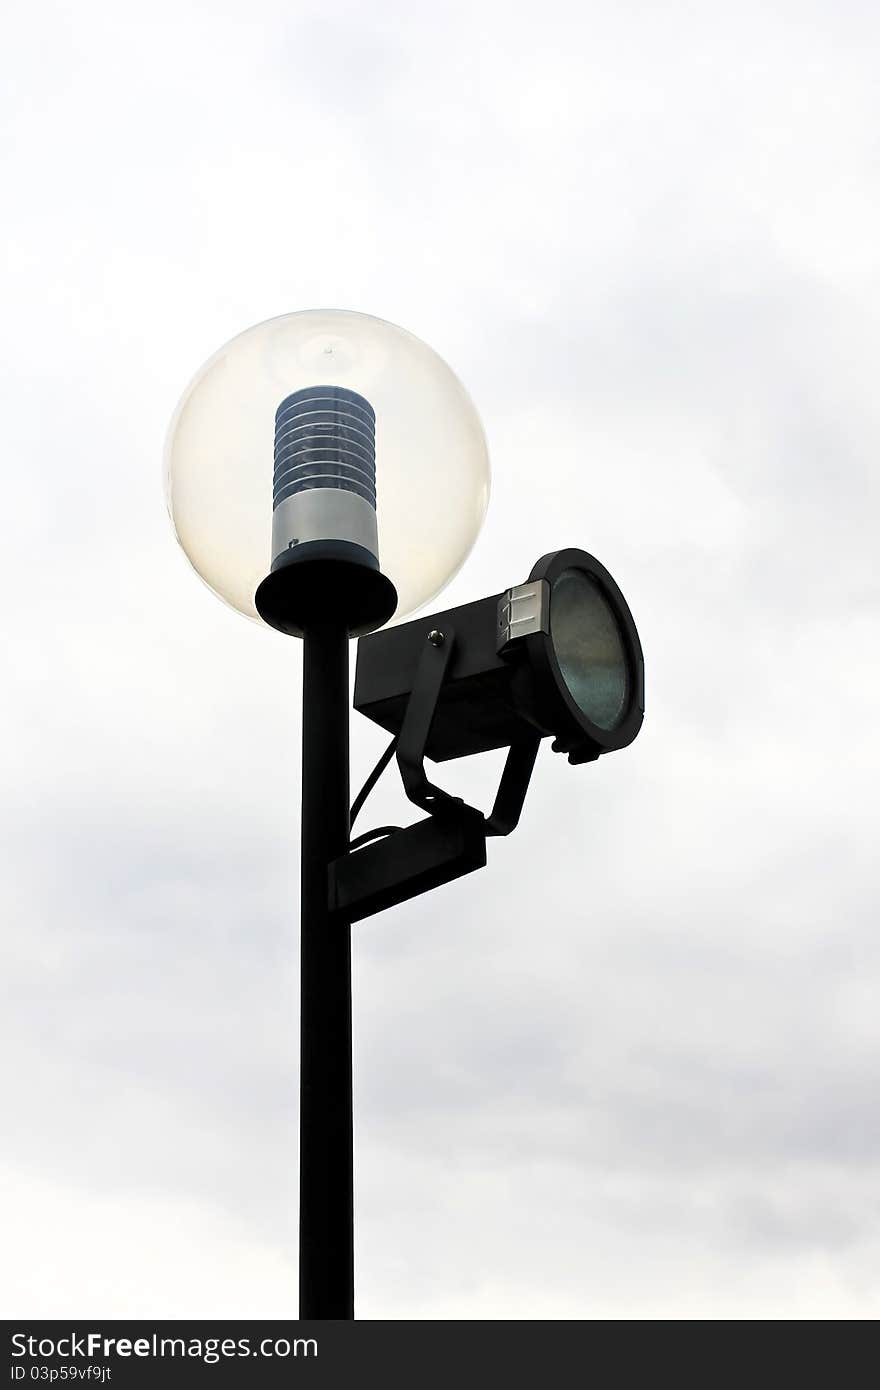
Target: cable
(357, 804)
(380, 833)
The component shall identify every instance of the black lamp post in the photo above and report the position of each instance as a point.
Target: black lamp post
(556, 656)
(325, 586)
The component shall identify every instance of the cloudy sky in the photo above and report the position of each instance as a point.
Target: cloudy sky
(631, 1069)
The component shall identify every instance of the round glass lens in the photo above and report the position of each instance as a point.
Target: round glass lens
(589, 648)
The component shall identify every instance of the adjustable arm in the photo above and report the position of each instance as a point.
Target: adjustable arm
(416, 727)
(413, 739)
(452, 841)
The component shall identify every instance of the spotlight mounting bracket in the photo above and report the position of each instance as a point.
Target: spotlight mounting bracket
(416, 729)
(452, 840)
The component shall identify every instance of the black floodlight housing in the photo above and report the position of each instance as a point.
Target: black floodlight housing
(557, 656)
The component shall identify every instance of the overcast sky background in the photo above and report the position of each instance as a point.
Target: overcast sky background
(631, 1069)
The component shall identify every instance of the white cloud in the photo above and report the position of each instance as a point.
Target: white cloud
(629, 1069)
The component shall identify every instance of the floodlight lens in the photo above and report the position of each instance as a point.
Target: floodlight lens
(589, 648)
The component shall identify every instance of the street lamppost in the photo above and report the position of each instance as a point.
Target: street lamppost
(325, 473)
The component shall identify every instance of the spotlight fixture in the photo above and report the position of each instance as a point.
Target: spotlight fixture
(558, 655)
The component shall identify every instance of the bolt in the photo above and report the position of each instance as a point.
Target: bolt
(435, 637)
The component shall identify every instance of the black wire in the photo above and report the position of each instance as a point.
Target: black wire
(371, 781)
(379, 833)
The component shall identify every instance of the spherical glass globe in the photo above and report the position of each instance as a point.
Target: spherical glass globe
(431, 482)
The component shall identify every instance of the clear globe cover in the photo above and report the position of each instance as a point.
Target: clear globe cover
(431, 461)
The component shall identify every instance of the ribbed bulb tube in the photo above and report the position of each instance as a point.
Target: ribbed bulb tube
(324, 483)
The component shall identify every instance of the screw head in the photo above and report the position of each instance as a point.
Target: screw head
(435, 637)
